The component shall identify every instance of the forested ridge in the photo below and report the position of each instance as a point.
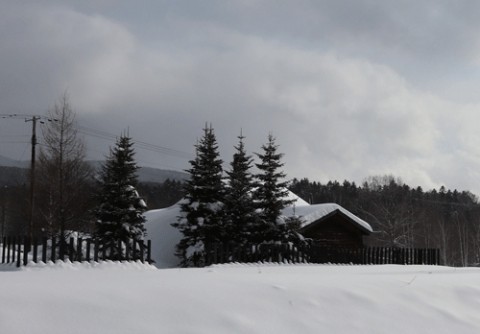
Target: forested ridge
(403, 216)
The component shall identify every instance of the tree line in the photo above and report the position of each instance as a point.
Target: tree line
(403, 216)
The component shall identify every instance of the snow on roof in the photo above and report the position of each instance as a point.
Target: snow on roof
(298, 201)
(312, 213)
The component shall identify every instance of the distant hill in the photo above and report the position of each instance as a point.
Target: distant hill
(7, 162)
(149, 174)
(14, 172)
(12, 176)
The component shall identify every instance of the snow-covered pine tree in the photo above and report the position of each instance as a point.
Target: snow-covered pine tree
(239, 210)
(271, 193)
(201, 221)
(119, 214)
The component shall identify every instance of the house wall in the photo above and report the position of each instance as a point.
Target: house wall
(335, 231)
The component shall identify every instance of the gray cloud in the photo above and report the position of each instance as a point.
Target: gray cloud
(349, 89)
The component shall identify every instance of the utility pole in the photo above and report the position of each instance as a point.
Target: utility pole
(34, 120)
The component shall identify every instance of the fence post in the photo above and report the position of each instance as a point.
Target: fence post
(26, 247)
(53, 253)
(79, 255)
(44, 249)
(119, 255)
(14, 247)
(134, 250)
(62, 245)
(35, 250)
(19, 249)
(71, 250)
(87, 251)
(149, 251)
(127, 250)
(4, 248)
(105, 245)
(142, 251)
(95, 250)
(214, 259)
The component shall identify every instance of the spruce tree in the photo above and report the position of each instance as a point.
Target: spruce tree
(271, 193)
(240, 212)
(201, 221)
(120, 210)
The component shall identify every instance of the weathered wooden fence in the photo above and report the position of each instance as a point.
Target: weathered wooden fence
(311, 253)
(21, 250)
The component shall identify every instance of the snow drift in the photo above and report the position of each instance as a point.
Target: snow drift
(135, 298)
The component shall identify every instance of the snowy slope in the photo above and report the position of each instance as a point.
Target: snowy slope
(164, 237)
(131, 298)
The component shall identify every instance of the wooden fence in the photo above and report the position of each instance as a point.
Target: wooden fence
(21, 250)
(311, 253)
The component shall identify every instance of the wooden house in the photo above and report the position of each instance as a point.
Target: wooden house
(331, 225)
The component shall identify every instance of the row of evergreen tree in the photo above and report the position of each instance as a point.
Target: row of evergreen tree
(239, 207)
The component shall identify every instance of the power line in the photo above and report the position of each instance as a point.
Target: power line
(13, 136)
(15, 142)
(101, 134)
(138, 143)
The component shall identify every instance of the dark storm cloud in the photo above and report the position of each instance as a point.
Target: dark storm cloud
(349, 88)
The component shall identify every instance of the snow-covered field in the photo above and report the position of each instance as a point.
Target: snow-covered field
(256, 298)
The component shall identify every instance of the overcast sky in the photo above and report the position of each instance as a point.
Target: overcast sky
(349, 88)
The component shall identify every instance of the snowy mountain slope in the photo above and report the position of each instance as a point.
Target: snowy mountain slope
(131, 298)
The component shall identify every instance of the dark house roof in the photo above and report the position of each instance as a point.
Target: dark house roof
(315, 224)
(313, 215)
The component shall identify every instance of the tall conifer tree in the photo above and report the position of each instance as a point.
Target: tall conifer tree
(201, 221)
(120, 210)
(271, 193)
(240, 211)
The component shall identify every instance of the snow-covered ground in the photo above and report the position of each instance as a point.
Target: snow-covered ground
(256, 298)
